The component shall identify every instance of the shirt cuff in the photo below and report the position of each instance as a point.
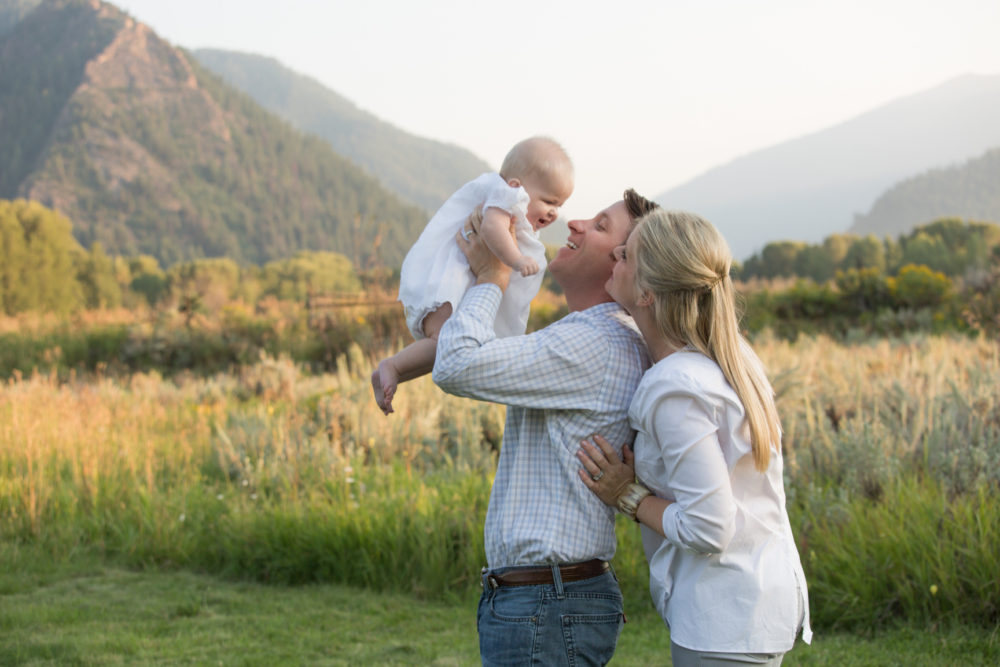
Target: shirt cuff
(482, 301)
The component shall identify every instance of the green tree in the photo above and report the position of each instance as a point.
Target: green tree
(13, 260)
(147, 279)
(837, 246)
(309, 273)
(864, 290)
(928, 250)
(815, 262)
(97, 279)
(212, 282)
(38, 254)
(981, 297)
(865, 253)
(917, 286)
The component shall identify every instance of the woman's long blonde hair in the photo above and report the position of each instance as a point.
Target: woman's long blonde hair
(683, 262)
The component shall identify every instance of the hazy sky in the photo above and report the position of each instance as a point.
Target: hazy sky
(643, 93)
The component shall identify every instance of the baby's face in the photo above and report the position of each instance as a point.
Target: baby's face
(547, 195)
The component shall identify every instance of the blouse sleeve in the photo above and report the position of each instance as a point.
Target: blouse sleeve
(703, 515)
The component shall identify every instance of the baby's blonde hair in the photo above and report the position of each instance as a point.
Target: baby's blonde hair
(536, 157)
(683, 262)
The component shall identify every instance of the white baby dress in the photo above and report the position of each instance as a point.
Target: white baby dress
(436, 272)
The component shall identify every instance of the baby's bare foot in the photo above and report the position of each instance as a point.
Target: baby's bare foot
(384, 382)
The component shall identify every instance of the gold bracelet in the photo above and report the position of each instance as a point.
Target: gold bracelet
(628, 502)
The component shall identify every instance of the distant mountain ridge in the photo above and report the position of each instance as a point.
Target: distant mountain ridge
(970, 191)
(421, 171)
(808, 188)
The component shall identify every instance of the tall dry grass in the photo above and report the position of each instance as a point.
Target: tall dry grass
(861, 415)
(276, 474)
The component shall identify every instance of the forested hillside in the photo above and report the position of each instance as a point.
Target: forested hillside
(422, 171)
(42, 62)
(12, 11)
(148, 153)
(970, 190)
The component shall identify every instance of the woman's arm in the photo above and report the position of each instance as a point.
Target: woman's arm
(683, 424)
(612, 479)
(702, 516)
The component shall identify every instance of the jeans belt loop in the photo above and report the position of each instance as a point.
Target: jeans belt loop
(557, 580)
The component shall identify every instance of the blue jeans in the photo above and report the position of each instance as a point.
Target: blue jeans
(571, 623)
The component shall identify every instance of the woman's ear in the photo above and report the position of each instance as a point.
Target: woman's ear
(645, 299)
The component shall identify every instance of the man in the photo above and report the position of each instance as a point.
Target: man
(549, 596)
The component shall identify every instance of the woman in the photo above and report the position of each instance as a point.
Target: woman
(724, 571)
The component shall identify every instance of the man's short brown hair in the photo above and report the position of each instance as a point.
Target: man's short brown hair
(637, 205)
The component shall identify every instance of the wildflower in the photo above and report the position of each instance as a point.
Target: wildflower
(253, 496)
(181, 517)
(219, 497)
(934, 589)
(246, 482)
(350, 480)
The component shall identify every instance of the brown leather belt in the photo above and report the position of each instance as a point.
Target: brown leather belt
(534, 576)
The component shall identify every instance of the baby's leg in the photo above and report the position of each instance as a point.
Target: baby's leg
(412, 361)
(433, 322)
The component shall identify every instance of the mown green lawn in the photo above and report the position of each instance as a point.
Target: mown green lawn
(89, 613)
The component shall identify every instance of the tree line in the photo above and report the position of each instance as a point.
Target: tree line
(939, 277)
(949, 245)
(44, 269)
(944, 276)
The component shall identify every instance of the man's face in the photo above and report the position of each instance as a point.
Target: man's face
(588, 258)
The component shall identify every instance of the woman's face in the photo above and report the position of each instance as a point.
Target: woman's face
(621, 286)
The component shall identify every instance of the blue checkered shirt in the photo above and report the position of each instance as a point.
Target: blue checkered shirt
(564, 383)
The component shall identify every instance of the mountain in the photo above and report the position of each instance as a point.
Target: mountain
(149, 153)
(421, 171)
(810, 187)
(12, 11)
(970, 191)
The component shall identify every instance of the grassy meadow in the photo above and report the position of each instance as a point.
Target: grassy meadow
(271, 474)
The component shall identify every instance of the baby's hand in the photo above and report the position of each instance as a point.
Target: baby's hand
(526, 265)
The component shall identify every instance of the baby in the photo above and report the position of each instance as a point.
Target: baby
(535, 179)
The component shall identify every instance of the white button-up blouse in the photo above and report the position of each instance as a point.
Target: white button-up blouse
(727, 577)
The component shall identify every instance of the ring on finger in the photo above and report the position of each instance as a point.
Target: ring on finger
(598, 476)
(466, 233)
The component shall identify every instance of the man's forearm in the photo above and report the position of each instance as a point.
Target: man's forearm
(466, 331)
